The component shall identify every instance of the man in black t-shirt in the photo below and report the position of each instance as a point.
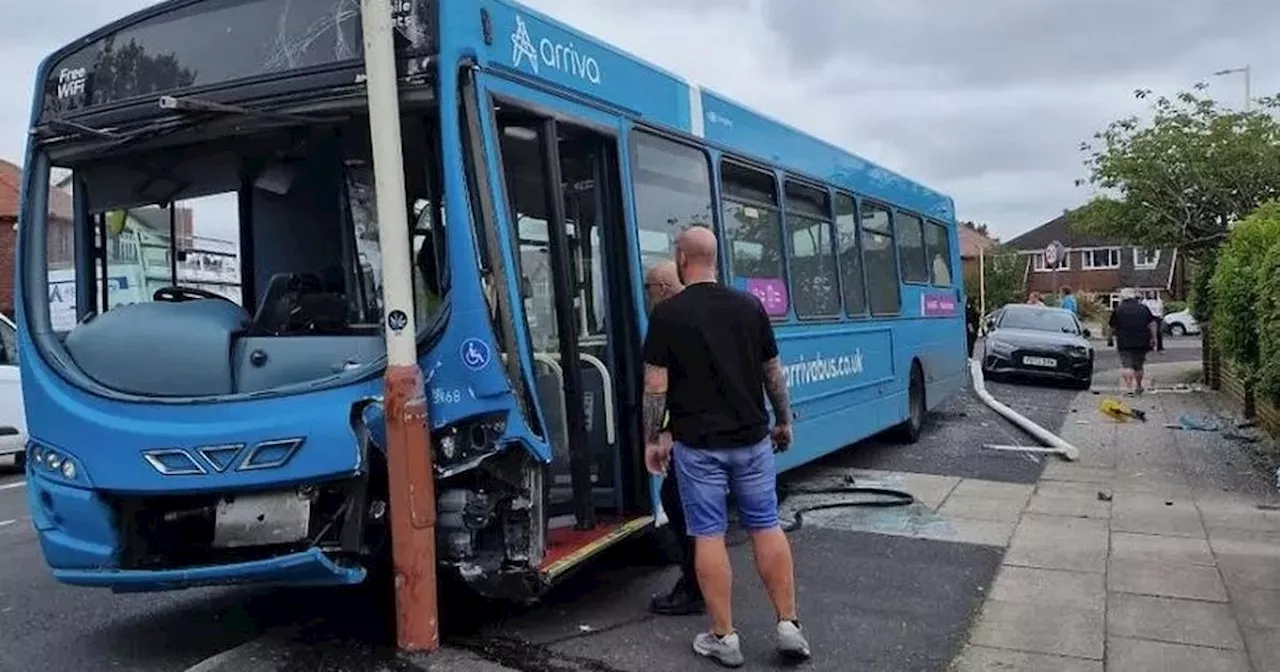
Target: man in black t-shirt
(1134, 328)
(710, 355)
(661, 283)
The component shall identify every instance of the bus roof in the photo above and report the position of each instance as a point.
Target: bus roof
(531, 44)
(505, 35)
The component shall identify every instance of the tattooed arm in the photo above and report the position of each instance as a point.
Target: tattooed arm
(655, 401)
(775, 384)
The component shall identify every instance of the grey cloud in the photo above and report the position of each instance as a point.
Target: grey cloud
(1016, 40)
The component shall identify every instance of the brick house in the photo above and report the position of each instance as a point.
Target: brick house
(973, 244)
(1094, 265)
(61, 236)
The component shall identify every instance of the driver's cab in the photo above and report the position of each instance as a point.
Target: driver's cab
(246, 265)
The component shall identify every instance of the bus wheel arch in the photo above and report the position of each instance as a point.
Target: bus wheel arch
(917, 407)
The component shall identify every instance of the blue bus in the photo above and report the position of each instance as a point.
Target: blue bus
(192, 438)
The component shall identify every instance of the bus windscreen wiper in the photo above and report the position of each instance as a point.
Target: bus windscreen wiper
(188, 104)
(83, 129)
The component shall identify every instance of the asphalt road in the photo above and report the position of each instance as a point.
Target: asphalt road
(911, 609)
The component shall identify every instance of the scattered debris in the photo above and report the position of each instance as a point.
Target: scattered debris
(1114, 408)
(1168, 503)
(1246, 424)
(585, 628)
(1195, 423)
(1104, 496)
(1268, 507)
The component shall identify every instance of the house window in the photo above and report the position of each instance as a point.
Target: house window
(1100, 259)
(1038, 265)
(1145, 259)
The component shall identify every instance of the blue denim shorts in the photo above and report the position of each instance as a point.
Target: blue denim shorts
(707, 477)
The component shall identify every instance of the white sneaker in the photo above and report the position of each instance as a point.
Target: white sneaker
(725, 650)
(791, 641)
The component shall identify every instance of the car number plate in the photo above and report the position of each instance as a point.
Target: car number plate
(261, 519)
(1046, 362)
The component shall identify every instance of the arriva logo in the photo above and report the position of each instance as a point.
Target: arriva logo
(551, 54)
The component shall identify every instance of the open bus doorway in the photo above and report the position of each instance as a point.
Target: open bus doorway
(562, 185)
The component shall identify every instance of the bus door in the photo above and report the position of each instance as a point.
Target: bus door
(563, 189)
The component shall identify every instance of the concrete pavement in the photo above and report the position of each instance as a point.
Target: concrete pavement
(1158, 550)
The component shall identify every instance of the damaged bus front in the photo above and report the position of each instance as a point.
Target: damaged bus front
(202, 323)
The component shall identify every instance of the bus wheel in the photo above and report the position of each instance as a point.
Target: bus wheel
(909, 431)
(20, 461)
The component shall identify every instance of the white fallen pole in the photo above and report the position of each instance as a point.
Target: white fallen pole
(1055, 443)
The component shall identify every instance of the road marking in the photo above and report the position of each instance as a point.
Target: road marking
(10, 486)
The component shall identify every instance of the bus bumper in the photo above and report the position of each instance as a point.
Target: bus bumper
(81, 542)
(308, 568)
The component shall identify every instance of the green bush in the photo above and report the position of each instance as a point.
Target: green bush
(1089, 308)
(1268, 324)
(1237, 289)
(1174, 306)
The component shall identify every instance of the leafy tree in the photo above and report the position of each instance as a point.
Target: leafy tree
(1182, 178)
(980, 228)
(1005, 274)
(1241, 298)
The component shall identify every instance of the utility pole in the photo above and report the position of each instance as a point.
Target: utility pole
(1248, 93)
(410, 477)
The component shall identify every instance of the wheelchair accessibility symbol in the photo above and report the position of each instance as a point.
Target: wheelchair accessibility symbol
(474, 353)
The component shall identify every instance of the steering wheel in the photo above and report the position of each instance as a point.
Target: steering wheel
(176, 294)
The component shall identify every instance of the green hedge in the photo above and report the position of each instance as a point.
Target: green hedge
(1246, 299)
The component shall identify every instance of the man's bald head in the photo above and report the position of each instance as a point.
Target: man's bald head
(661, 282)
(696, 255)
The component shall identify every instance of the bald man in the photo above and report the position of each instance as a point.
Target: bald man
(661, 283)
(710, 355)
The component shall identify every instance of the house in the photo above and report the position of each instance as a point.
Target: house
(61, 238)
(973, 244)
(1094, 265)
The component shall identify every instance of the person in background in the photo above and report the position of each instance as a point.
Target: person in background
(1034, 299)
(1134, 329)
(1156, 306)
(971, 322)
(710, 353)
(1069, 301)
(661, 283)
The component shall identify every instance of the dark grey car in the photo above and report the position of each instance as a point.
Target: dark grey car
(1036, 341)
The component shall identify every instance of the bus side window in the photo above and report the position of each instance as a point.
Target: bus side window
(911, 252)
(938, 243)
(855, 287)
(814, 287)
(880, 259)
(672, 184)
(753, 227)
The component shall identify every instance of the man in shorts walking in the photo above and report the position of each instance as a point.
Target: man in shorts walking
(710, 355)
(1134, 329)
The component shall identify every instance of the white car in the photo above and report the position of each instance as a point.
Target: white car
(13, 421)
(1181, 323)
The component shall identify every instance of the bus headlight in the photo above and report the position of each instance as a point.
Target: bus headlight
(53, 462)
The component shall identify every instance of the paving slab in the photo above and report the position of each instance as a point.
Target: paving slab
(1052, 542)
(1264, 649)
(1151, 514)
(1165, 579)
(1078, 505)
(1027, 585)
(1138, 655)
(1257, 609)
(983, 508)
(1242, 572)
(1160, 549)
(993, 490)
(986, 659)
(1172, 620)
(1040, 628)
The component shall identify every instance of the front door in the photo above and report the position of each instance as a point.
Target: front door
(562, 187)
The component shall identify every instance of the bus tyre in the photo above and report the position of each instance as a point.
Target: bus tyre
(909, 431)
(20, 461)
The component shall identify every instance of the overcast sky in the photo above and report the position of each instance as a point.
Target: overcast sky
(985, 100)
